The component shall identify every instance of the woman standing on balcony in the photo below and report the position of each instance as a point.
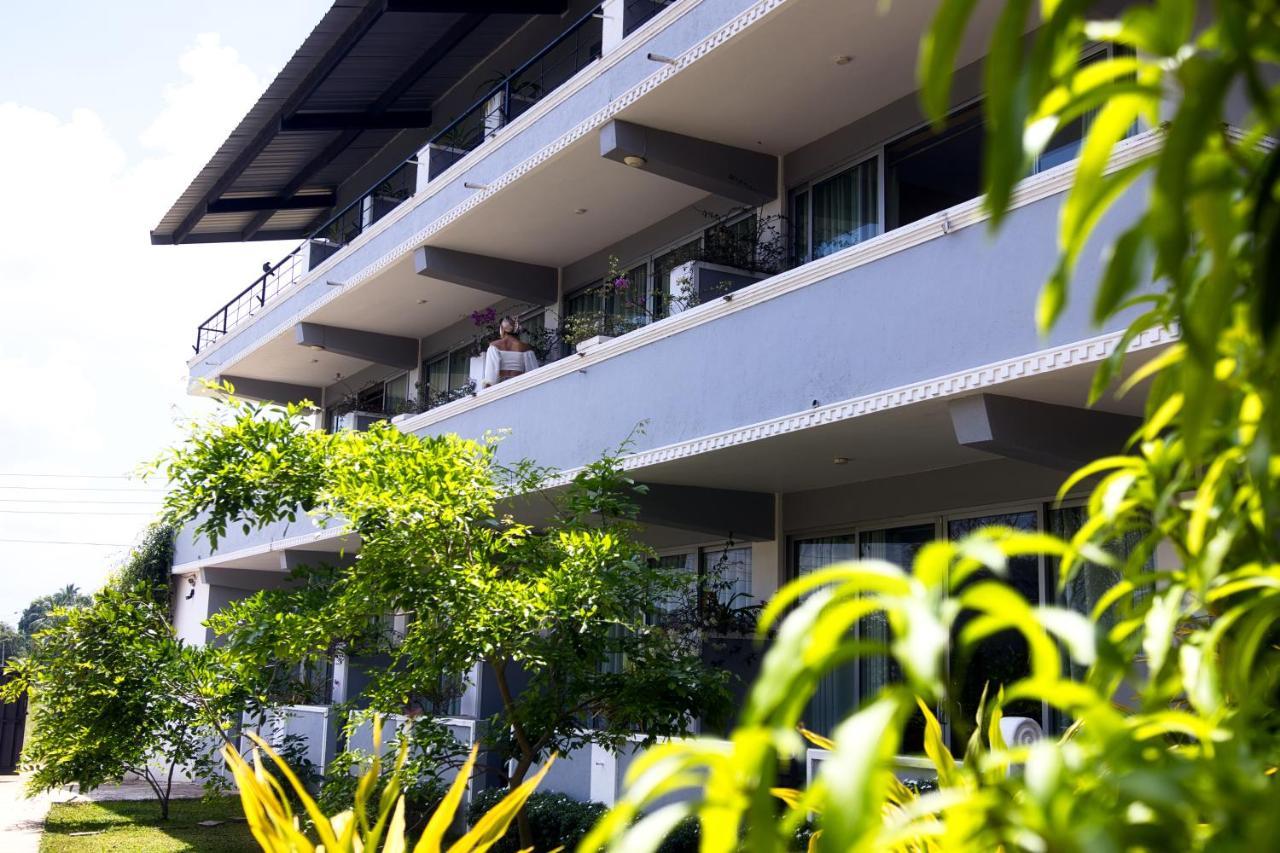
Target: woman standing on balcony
(508, 356)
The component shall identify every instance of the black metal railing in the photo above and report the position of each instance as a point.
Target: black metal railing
(506, 100)
(636, 12)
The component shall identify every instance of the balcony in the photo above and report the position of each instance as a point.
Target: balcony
(508, 97)
(854, 356)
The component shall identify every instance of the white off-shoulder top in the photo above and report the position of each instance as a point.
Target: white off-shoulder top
(499, 360)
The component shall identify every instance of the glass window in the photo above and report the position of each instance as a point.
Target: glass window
(1090, 581)
(726, 573)
(666, 262)
(459, 368)
(436, 375)
(371, 399)
(928, 171)
(667, 604)
(837, 693)
(897, 545)
(845, 209)
(800, 227)
(396, 392)
(1065, 144)
(1002, 658)
(733, 244)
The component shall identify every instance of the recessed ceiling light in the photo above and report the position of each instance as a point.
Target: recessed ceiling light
(843, 59)
(840, 460)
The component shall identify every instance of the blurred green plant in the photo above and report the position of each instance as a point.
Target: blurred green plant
(376, 820)
(1187, 639)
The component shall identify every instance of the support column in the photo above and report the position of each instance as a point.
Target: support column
(613, 12)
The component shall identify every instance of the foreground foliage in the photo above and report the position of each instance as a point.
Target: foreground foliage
(375, 821)
(1173, 678)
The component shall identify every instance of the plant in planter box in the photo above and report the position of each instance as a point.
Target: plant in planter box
(753, 244)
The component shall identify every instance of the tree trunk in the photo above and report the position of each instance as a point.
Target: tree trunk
(522, 817)
(527, 755)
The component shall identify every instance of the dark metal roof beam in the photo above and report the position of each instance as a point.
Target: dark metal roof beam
(395, 120)
(221, 236)
(429, 58)
(486, 7)
(359, 27)
(251, 204)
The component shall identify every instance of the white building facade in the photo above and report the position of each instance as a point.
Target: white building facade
(835, 358)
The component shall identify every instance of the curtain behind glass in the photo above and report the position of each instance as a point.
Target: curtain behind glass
(845, 209)
(438, 376)
(897, 545)
(459, 369)
(836, 694)
(727, 571)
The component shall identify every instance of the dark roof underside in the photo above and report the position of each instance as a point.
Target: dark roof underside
(366, 63)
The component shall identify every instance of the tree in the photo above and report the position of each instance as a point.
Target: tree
(12, 643)
(1191, 646)
(116, 692)
(39, 613)
(556, 614)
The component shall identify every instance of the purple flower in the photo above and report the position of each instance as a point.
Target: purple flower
(621, 283)
(485, 317)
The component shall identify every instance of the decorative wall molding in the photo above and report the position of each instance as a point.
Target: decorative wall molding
(1037, 363)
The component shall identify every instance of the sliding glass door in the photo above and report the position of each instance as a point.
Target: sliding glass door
(1003, 658)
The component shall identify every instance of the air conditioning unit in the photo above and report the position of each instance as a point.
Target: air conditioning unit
(359, 421)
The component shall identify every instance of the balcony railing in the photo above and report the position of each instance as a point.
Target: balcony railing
(637, 12)
(510, 96)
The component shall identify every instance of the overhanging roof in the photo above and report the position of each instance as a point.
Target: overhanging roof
(369, 69)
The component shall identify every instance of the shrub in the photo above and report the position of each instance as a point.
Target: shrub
(557, 820)
(373, 821)
(149, 564)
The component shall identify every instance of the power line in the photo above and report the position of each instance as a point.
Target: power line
(154, 502)
(69, 476)
(65, 512)
(83, 489)
(64, 542)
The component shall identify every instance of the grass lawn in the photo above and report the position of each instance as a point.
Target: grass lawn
(135, 825)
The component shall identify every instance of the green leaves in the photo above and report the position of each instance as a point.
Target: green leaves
(1172, 678)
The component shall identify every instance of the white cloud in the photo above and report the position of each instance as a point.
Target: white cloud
(95, 323)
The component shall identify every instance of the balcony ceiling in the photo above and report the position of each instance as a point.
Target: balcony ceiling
(369, 70)
(890, 443)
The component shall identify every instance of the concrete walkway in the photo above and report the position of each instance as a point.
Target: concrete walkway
(22, 819)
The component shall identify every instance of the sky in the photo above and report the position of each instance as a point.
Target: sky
(107, 111)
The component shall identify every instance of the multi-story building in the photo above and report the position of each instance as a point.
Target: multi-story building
(830, 353)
